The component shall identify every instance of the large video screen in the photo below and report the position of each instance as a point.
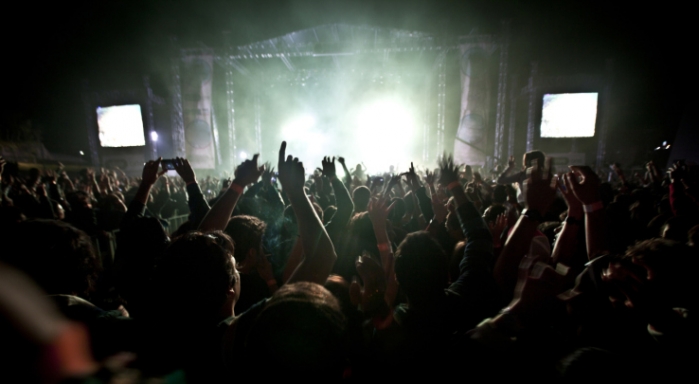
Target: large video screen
(569, 115)
(120, 126)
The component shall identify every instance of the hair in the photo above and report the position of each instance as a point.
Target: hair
(361, 196)
(56, 255)
(196, 272)
(500, 194)
(530, 156)
(398, 210)
(301, 332)
(491, 213)
(421, 266)
(246, 232)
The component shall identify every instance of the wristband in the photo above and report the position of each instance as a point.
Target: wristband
(589, 208)
(191, 182)
(237, 188)
(383, 247)
(453, 185)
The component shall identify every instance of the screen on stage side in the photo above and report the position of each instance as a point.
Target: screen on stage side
(569, 115)
(120, 126)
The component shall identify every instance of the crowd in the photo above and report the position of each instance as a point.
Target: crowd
(443, 273)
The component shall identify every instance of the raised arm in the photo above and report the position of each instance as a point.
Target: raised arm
(539, 194)
(343, 200)
(319, 253)
(198, 207)
(586, 188)
(217, 218)
(564, 250)
(475, 282)
(348, 176)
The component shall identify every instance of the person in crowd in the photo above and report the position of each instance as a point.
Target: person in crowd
(277, 276)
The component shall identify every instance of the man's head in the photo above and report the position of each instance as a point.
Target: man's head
(301, 333)
(246, 232)
(197, 274)
(421, 267)
(56, 255)
(361, 196)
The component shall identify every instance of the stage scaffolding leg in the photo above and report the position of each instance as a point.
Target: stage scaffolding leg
(176, 118)
(231, 158)
(513, 118)
(90, 124)
(502, 97)
(441, 98)
(531, 122)
(149, 112)
(606, 110)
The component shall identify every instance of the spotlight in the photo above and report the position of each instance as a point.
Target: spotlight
(154, 136)
(82, 153)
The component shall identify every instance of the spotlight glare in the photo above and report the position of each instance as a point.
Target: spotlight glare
(243, 155)
(154, 136)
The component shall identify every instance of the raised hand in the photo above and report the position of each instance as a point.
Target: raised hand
(268, 174)
(291, 171)
(370, 296)
(150, 173)
(677, 172)
(496, 227)
(575, 208)
(429, 178)
(448, 171)
(341, 160)
(440, 210)
(540, 187)
(329, 167)
(379, 209)
(248, 172)
(586, 185)
(185, 170)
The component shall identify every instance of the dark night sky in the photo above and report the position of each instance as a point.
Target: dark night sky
(50, 48)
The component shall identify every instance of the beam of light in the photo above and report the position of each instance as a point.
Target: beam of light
(386, 130)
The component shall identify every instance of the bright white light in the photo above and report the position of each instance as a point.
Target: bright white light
(243, 155)
(386, 128)
(299, 125)
(154, 136)
(120, 126)
(569, 115)
(82, 153)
